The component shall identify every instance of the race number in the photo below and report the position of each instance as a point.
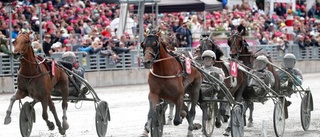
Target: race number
(53, 65)
(188, 65)
(233, 69)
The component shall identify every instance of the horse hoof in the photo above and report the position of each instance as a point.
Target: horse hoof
(51, 126)
(65, 125)
(226, 133)
(177, 122)
(144, 134)
(7, 120)
(62, 132)
(196, 126)
(183, 114)
(218, 123)
(225, 118)
(250, 124)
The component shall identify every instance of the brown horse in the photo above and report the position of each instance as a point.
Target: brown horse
(35, 81)
(168, 81)
(240, 52)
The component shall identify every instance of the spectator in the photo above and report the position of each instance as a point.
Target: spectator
(47, 45)
(4, 46)
(184, 35)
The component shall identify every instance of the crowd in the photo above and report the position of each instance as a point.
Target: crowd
(85, 26)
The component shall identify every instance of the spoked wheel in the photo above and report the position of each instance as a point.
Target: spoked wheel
(305, 111)
(208, 119)
(27, 118)
(158, 121)
(237, 121)
(278, 119)
(102, 118)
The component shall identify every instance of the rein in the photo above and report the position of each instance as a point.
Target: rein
(163, 59)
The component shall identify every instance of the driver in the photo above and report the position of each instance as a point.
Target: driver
(209, 58)
(259, 69)
(289, 61)
(70, 57)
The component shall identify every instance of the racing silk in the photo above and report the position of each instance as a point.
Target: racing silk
(294, 72)
(266, 76)
(215, 71)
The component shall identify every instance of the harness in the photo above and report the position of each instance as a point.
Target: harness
(148, 42)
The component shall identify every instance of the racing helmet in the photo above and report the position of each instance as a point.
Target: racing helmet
(209, 53)
(289, 60)
(261, 62)
(69, 57)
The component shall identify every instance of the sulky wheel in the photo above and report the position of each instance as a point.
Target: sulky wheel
(305, 111)
(278, 119)
(208, 119)
(237, 121)
(157, 122)
(102, 118)
(27, 118)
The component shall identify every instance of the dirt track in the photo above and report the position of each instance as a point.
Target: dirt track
(129, 107)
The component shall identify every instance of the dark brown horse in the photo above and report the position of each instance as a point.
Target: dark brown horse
(35, 81)
(236, 85)
(240, 52)
(167, 79)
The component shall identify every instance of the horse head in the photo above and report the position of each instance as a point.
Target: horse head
(151, 48)
(22, 46)
(207, 43)
(237, 45)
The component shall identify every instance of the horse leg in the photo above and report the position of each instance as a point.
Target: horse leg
(224, 110)
(54, 112)
(238, 97)
(65, 94)
(194, 98)
(251, 108)
(17, 96)
(153, 100)
(217, 114)
(179, 103)
(170, 117)
(44, 104)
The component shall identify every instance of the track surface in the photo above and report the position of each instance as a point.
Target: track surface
(129, 108)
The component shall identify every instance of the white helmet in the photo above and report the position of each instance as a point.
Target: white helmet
(289, 60)
(261, 62)
(69, 57)
(209, 53)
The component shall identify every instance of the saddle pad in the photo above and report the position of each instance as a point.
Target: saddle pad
(188, 65)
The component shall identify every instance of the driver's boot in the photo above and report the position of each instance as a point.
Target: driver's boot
(83, 91)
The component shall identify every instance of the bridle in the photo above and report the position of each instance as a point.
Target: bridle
(22, 57)
(205, 45)
(156, 49)
(233, 45)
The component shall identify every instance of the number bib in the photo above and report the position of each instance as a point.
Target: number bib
(233, 69)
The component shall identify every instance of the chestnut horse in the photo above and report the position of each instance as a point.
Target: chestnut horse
(35, 81)
(240, 52)
(168, 81)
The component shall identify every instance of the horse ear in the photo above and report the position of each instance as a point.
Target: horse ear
(30, 32)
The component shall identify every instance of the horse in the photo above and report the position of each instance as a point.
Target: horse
(168, 80)
(34, 80)
(240, 52)
(235, 85)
